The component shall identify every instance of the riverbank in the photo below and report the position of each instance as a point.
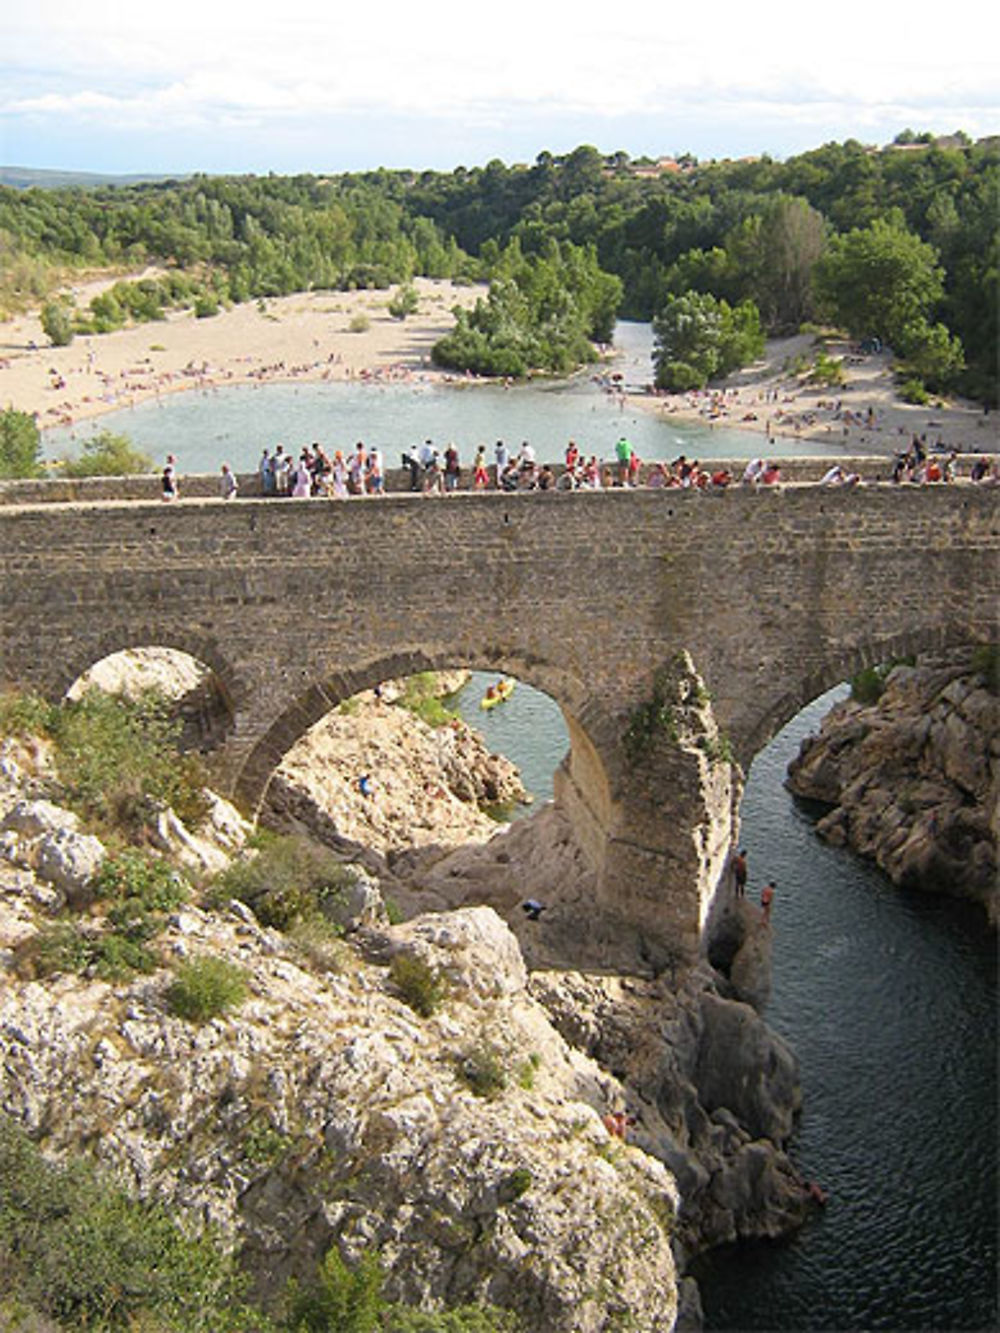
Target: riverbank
(309, 336)
(864, 414)
(351, 337)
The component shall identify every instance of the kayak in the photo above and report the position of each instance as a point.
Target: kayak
(502, 692)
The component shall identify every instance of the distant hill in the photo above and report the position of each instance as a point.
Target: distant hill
(26, 178)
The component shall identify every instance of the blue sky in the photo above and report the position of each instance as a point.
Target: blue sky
(307, 86)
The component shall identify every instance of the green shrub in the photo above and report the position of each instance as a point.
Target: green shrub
(320, 944)
(419, 985)
(986, 661)
(343, 1299)
(517, 1183)
(137, 890)
(150, 881)
(76, 1249)
(359, 324)
(650, 722)
(482, 1069)
(290, 880)
(868, 685)
(114, 756)
(717, 749)
(20, 444)
(206, 987)
(61, 947)
(526, 1071)
(827, 371)
(421, 695)
(25, 714)
(205, 307)
(913, 391)
(57, 322)
(264, 1145)
(405, 302)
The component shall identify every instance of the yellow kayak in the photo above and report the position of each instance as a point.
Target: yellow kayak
(496, 694)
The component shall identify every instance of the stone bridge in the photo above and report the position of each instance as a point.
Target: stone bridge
(592, 597)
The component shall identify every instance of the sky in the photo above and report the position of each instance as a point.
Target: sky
(316, 85)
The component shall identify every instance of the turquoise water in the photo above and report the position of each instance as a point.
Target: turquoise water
(234, 424)
(889, 1000)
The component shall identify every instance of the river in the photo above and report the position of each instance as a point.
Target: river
(889, 1001)
(234, 424)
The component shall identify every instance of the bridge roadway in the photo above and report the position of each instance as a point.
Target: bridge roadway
(774, 595)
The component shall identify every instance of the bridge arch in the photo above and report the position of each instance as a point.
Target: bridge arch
(82, 653)
(843, 663)
(591, 758)
(206, 709)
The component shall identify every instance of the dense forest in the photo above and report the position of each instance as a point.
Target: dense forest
(899, 244)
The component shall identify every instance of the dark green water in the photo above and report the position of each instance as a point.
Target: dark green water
(889, 1000)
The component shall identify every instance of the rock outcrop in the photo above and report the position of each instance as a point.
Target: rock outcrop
(914, 779)
(426, 785)
(326, 1112)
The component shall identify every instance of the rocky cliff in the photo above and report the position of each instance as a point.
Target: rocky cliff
(913, 779)
(472, 1147)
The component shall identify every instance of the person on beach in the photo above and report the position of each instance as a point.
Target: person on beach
(227, 483)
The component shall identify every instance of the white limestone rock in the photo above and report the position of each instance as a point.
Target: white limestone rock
(473, 947)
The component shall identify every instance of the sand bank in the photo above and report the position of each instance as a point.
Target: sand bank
(863, 415)
(307, 336)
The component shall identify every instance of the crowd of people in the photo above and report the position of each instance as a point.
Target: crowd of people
(429, 470)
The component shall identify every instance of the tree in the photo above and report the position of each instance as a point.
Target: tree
(57, 322)
(20, 445)
(698, 338)
(108, 455)
(878, 279)
(931, 353)
(793, 239)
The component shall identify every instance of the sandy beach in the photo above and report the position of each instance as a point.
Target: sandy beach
(309, 336)
(864, 415)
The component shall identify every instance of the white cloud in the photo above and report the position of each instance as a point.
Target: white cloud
(220, 63)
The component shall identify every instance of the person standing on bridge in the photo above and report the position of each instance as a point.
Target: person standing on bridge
(500, 458)
(623, 452)
(171, 490)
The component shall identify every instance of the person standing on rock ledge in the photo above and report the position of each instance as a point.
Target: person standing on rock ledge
(740, 873)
